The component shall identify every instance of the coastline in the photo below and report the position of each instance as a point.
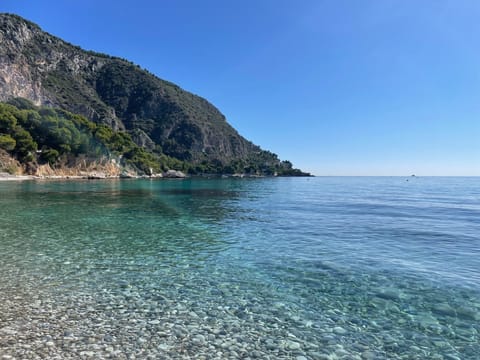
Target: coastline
(48, 177)
(171, 174)
(90, 176)
(17, 177)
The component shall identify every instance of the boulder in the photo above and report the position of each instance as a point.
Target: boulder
(127, 175)
(175, 174)
(96, 176)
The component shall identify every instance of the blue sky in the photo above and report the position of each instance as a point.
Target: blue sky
(338, 87)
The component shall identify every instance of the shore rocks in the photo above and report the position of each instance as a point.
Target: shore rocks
(96, 176)
(174, 174)
(127, 175)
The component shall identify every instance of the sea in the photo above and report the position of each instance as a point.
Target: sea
(261, 268)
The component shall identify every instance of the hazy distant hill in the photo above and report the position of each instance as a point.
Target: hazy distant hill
(158, 116)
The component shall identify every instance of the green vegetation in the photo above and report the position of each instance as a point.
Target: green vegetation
(7, 142)
(47, 135)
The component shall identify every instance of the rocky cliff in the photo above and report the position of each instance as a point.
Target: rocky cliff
(158, 115)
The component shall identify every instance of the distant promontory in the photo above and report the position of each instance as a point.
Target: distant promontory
(64, 107)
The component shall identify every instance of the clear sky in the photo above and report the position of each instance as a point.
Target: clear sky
(339, 87)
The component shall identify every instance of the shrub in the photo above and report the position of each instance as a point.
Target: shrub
(7, 142)
(50, 155)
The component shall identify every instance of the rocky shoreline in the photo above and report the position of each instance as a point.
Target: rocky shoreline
(170, 174)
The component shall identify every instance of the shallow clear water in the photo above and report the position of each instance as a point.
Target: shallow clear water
(320, 268)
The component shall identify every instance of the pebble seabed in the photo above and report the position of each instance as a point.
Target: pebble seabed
(184, 315)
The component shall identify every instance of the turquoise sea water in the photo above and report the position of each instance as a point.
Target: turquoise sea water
(308, 268)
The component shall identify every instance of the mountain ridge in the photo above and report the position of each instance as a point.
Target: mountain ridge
(158, 115)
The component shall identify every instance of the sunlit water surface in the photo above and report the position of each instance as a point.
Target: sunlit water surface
(308, 268)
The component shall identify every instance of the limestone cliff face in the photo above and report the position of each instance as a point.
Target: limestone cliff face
(31, 59)
(16, 76)
(48, 71)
